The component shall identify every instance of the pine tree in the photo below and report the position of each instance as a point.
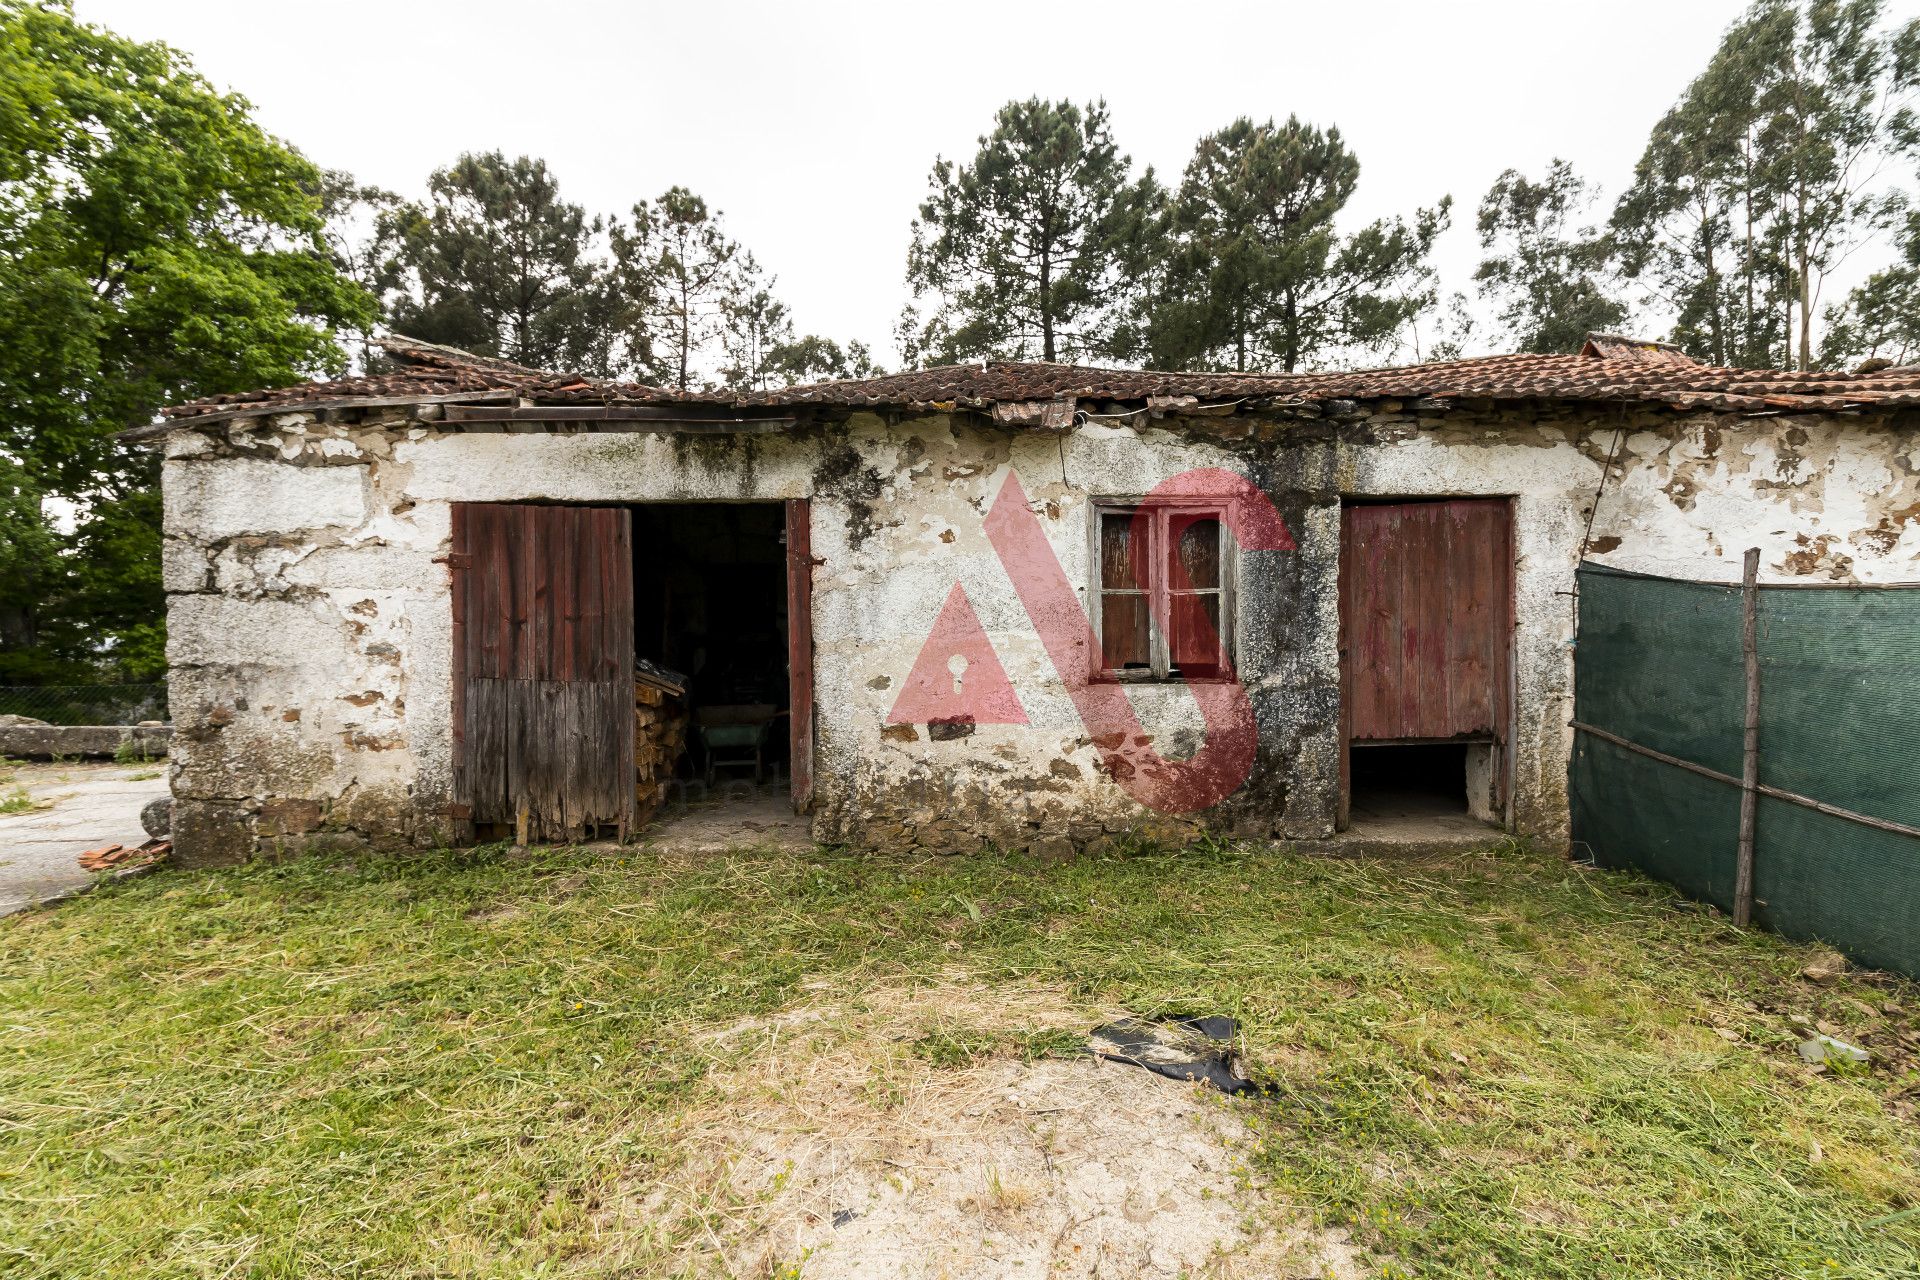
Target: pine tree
(1021, 248)
(1259, 276)
(497, 263)
(679, 273)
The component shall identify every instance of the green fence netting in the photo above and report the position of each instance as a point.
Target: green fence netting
(1659, 664)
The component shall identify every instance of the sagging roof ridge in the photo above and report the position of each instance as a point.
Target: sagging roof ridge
(1651, 373)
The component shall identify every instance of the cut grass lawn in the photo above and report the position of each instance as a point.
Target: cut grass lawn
(1497, 1064)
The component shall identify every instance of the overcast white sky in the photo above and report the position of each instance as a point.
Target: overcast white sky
(812, 125)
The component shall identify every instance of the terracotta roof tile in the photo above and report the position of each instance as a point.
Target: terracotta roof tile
(1610, 369)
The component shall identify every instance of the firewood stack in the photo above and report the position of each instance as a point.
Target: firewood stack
(659, 735)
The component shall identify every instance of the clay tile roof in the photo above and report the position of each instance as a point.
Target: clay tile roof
(1614, 346)
(1608, 368)
(424, 372)
(1632, 378)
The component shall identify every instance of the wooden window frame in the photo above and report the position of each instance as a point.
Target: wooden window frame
(1160, 669)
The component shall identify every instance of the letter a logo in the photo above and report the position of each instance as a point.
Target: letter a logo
(957, 675)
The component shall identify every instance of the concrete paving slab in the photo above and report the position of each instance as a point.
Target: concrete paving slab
(84, 806)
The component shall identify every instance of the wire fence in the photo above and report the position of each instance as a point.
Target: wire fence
(85, 703)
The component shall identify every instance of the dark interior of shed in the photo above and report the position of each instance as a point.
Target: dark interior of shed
(1408, 780)
(710, 603)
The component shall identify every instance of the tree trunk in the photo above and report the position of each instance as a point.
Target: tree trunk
(1806, 312)
(1046, 307)
(686, 334)
(1291, 355)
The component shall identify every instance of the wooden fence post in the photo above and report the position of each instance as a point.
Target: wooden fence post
(1750, 758)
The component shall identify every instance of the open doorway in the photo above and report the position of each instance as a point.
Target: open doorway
(1421, 780)
(712, 650)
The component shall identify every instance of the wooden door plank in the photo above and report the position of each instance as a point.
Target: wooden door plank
(546, 685)
(800, 650)
(1426, 619)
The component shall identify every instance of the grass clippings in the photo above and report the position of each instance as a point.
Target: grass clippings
(483, 1063)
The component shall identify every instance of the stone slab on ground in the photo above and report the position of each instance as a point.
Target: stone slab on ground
(83, 741)
(86, 806)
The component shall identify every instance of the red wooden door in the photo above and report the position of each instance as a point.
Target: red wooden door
(1426, 599)
(800, 650)
(543, 669)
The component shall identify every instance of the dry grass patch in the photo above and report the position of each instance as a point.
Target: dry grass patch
(926, 1131)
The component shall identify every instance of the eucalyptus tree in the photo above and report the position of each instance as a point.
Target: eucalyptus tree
(1546, 275)
(1768, 174)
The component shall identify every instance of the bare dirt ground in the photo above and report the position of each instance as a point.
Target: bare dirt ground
(735, 817)
(847, 1143)
(77, 807)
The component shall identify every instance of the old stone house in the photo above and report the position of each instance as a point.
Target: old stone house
(974, 604)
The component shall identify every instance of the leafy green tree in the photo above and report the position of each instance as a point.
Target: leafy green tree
(1834, 91)
(33, 577)
(1259, 277)
(679, 273)
(812, 358)
(155, 245)
(1021, 247)
(497, 263)
(1880, 319)
(1765, 176)
(1546, 276)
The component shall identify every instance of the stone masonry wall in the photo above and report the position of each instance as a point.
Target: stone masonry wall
(310, 625)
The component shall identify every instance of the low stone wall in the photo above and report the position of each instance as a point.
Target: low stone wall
(83, 741)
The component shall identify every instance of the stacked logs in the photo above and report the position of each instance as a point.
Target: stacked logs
(659, 739)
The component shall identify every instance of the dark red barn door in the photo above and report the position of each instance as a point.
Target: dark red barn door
(1426, 591)
(543, 670)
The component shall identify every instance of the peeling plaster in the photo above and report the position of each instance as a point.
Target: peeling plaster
(310, 617)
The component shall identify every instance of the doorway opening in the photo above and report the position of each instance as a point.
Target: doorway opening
(712, 646)
(1422, 780)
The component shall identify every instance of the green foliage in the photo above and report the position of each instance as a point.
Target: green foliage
(1762, 179)
(33, 574)
(1545, 276)
(686, 285)
(497, 263)
(1259, 277)
(155, 245)
(1881, 317)
(812, 358)
(476, 1063)
(1022, 247)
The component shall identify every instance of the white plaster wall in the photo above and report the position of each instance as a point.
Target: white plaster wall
(309, 580)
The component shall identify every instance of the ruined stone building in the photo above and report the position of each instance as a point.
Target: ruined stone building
(1007, 604)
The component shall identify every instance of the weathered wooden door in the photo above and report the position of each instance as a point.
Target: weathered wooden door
(543, 669)
(1426, 622)
(800, 650)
